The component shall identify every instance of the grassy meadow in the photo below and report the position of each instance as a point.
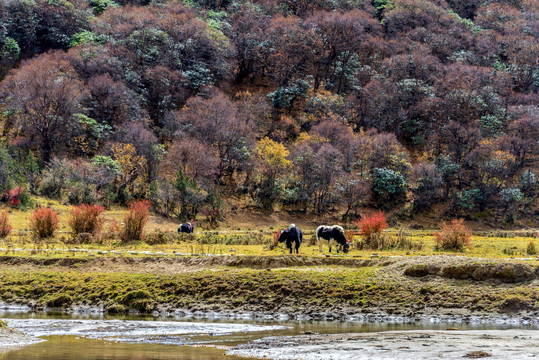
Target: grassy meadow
(161, 236)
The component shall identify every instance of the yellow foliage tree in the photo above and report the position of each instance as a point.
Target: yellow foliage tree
(133, 168)
(272, 153)
(272, 157)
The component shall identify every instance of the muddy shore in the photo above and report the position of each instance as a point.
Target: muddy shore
(404, 345)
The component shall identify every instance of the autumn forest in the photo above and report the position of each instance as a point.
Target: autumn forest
(324, 106)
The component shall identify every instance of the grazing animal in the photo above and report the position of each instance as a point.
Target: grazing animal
(331, 235)
(292, 234)
(186, 228)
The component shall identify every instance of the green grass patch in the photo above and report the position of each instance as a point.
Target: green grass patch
(143, 292)
(324, 288)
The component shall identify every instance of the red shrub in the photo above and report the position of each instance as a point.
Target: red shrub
(14, 196)
(454, 236)
(372, 225)
(135, 220)
(44, 222)
(86, 219)
(5, 225)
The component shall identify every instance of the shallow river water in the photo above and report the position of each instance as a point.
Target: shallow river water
(144, 338)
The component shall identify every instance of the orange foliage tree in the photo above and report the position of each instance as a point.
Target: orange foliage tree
(133, 171)
(272, 158)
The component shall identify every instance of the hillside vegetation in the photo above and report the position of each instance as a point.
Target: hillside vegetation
(411, 106)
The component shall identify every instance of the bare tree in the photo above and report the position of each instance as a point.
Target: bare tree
(44, 94)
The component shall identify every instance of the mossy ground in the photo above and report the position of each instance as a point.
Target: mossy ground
(308, 290)
(145, 292)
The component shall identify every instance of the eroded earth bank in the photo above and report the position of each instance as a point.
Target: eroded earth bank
(287, 286)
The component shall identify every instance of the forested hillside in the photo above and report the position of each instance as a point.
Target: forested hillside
(411, 106)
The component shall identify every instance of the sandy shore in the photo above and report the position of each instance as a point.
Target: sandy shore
(129, 328)
(402, 345)
(12, 338)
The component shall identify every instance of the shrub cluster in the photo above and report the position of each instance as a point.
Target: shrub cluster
(18, 197)
(14, 196)
(531, 249)
(135, 220)
(159, 237)
(43, 222)
(371, 228)
(454, 236)
(5, 225)
(86, 219)
(389, 242)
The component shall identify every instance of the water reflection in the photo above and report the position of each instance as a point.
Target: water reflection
(71, 348)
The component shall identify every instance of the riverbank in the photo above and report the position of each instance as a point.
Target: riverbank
(455, 288)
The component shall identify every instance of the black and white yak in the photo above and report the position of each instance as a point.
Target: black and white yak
(292, 234)
(332, 235)
(186, 228)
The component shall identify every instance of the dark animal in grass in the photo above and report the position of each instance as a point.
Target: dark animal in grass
(186, 228)
(330, 236)
(292, 234)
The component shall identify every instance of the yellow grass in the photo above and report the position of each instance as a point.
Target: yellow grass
(483, 246)
(20, 219)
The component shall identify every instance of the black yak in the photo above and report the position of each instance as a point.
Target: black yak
(292, 234)
(186, 228)
(330, 235)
